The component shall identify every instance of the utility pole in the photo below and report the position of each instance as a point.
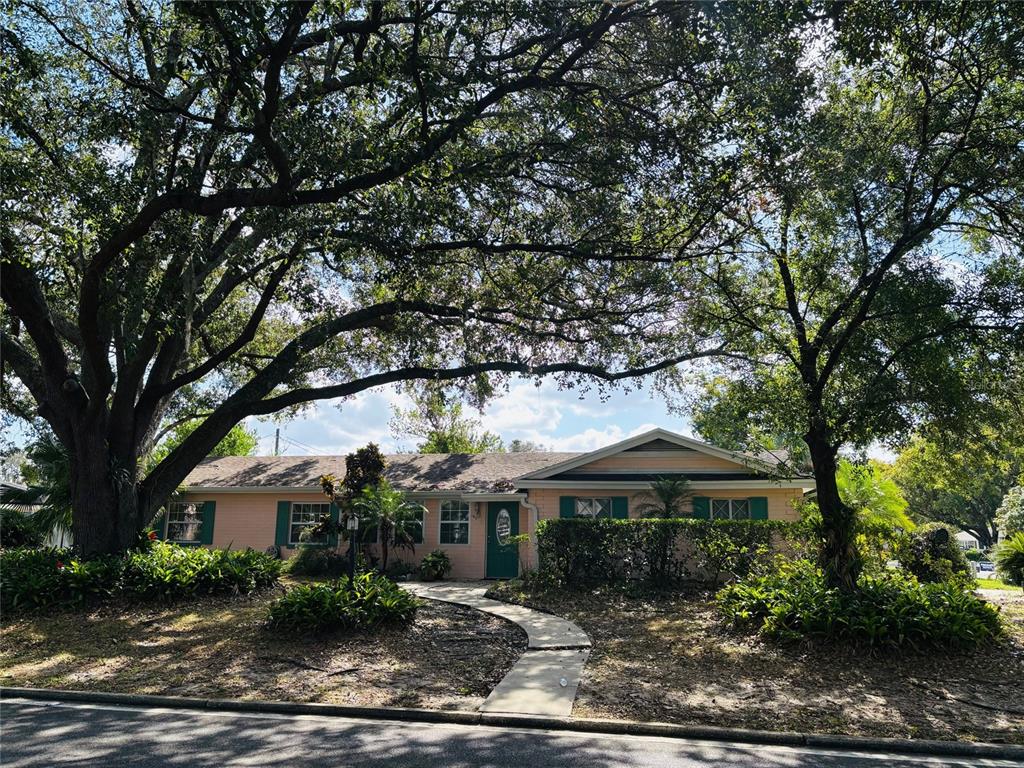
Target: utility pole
(277, 441)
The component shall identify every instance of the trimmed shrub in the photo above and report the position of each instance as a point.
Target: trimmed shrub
(791, 602)
(435, 566)
(932, 555)
(311, 560)
(1010, 559)
(661, 552)
(34, 579)
(17, 529)
(369, 601)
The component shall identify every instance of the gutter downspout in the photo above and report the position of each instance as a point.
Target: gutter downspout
(534, 520)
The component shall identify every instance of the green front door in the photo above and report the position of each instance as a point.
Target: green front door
(502, 523)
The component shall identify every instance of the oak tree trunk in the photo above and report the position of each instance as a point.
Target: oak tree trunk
(838, 556)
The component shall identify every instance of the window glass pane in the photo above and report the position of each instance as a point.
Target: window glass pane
(454, 533)
(305, 515)
(184, 520)
(456, 511)
(720, 509)
(603, 507)
(740, 509)
(584, 507)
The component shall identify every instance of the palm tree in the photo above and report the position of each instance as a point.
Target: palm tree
(665, 499)
(49, 488)
(875, 497)
(396, 518)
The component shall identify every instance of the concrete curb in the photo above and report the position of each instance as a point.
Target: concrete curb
(581, 725)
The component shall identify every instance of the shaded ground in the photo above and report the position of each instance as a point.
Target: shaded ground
(450, 658)
(668, 658)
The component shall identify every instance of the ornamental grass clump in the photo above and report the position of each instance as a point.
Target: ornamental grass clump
(369, 601)
(790, 601)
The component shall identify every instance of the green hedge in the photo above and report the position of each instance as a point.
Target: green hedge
(790, 601)
(369, 601)
(34, 579)
(661, 552)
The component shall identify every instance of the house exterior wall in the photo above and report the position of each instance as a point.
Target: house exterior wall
(679, 461)
(250, 520)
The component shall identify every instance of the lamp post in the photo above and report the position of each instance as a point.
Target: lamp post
(352, 525)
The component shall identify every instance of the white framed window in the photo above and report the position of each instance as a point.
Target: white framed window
(593, 507)
(305, 515)
(184, 521)
(730, 509)
(454, 525)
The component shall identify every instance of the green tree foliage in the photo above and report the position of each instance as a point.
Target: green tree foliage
(960, 479)
(873, 279)
(225, 211)
(437, 421)
(1010, 515)
(1010, 559)
(239, 441)
(667, 498)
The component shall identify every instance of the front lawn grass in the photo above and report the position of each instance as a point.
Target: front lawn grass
(995, 584)
(449, 658)
(668, 657)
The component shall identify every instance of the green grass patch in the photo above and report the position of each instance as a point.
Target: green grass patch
(994, 584)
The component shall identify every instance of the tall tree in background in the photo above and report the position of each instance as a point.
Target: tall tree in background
(437, 420)
(215, 211)
(880, 196)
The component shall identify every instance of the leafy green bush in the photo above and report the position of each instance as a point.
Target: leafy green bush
(1010, 559)
(400, 569)
(659, 551)
(435, 566)
(312, 560)
(369, 601)
(18, 529)
(33, 579)
(169, 571)
(931, 554)
(790, 601)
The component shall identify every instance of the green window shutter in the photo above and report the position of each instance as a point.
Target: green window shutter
(567, 506)
(206, 527)
(284, 514)
(620, 507)
(417, 535)
(702, 507)
(159, 524)
(758, 508)
(332, 539)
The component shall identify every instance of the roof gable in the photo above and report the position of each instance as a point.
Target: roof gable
(657, 441)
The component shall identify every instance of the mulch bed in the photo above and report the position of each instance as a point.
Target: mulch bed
(668, 658)
(449, 658)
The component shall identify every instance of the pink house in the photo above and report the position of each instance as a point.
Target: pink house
(474, 501)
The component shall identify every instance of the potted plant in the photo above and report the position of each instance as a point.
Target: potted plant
(435, 566)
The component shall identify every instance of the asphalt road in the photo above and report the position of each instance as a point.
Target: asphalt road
(38, 733)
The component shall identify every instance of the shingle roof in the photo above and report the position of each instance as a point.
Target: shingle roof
(480, 472)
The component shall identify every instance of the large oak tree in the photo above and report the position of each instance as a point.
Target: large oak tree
(880, 197)
(216, 211)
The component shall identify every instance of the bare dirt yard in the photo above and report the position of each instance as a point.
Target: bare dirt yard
(668, 658)
(449, 658)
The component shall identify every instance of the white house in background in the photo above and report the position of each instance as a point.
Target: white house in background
(967, 541)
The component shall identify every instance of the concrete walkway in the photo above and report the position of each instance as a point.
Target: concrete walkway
(545, 679)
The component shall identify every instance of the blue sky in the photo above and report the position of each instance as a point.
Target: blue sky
(560, 420)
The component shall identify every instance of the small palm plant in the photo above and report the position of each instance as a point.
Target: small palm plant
(397, 519)
(49, 489)
(665, 499)
(1010, 559)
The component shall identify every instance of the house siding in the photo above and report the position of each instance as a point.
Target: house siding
(681, 462)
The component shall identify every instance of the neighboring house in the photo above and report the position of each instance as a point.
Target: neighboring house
(475, 501)
(967, 541)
